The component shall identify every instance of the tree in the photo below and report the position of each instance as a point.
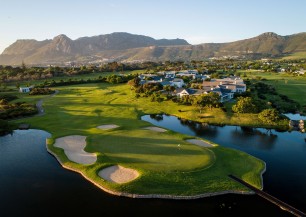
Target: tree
(210, 100)
(269, 116)
(244, 105)
(4, 127)
(134, 82)
(17, 85)
(169, 89)
(23, 67)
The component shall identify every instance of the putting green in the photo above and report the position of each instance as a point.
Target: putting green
(150, 151)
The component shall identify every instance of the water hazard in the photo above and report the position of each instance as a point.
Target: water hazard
(33, 183)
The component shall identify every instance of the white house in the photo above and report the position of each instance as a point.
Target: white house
(241, 88)
(25, 89)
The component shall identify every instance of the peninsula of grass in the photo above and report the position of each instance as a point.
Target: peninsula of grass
(168, 166)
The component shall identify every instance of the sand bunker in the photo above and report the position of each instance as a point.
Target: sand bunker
(74, 149)
(199, 142)
(107, 126)
(157, 129)
(118, 174)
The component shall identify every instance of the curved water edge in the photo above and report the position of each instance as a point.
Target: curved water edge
(48, 182)
(295, 116)
(157, 196)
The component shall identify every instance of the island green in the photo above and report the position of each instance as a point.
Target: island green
(167, 163)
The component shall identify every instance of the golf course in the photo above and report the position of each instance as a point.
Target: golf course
(103, 121)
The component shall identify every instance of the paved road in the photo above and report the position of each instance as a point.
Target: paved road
(40, 102)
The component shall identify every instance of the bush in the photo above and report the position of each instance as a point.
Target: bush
(8, 97)
(41, 91)
(5, 128)
(269, 116)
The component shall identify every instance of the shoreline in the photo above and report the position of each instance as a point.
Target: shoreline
(273, 127)
(155, 196)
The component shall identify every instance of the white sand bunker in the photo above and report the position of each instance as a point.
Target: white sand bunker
(199, 142)
(74, 149)
(118, 174)
(107, 126)
(157, 129)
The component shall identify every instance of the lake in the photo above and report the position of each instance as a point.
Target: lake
(32, 182)
(295, 116)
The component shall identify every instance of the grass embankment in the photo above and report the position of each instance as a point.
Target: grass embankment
(165, 168)
(290, 85)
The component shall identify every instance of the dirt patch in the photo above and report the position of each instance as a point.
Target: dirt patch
(118, 174)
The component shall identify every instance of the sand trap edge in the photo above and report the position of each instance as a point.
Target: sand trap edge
(118, 174)
(200, 142)
(156, 129)
(75, 154)
(107, 126)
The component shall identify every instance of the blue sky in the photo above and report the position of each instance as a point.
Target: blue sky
(197, 21)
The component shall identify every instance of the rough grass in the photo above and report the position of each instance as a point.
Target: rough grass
(297, 55)
(164, 167)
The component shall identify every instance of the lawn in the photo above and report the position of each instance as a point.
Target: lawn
(294, 88)
(165, 168)
(290, 85)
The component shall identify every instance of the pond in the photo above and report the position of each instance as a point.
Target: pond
(32, 182)
(295, 116)
(283, 152)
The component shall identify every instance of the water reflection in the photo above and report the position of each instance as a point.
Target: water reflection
(283, 152)
(32, 181)
(247, 136)
(200, 129)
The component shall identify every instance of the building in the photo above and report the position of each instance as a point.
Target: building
(25, 89)
(177, 82)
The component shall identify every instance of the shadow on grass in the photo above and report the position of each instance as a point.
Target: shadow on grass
(119, 144)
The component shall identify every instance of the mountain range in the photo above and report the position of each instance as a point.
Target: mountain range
(126, 47)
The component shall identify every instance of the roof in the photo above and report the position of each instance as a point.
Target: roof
(177, 80)
(164, 83)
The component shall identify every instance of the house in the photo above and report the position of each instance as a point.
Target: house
(187, 73)
(25, 89)
(233, 83)
(180, 92)
(300, 72)
(225, 94)
(177, 82)
(240, 88)
(170, 74)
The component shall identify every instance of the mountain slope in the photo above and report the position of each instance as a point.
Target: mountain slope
(128, 47)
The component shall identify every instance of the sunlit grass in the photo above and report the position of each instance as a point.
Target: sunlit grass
(166, 162)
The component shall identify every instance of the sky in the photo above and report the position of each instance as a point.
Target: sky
(197, 21)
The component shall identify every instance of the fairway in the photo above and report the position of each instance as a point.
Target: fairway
(292, 86)
(167, 164)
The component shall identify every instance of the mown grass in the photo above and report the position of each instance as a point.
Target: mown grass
(292, 86)
(165, 167)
